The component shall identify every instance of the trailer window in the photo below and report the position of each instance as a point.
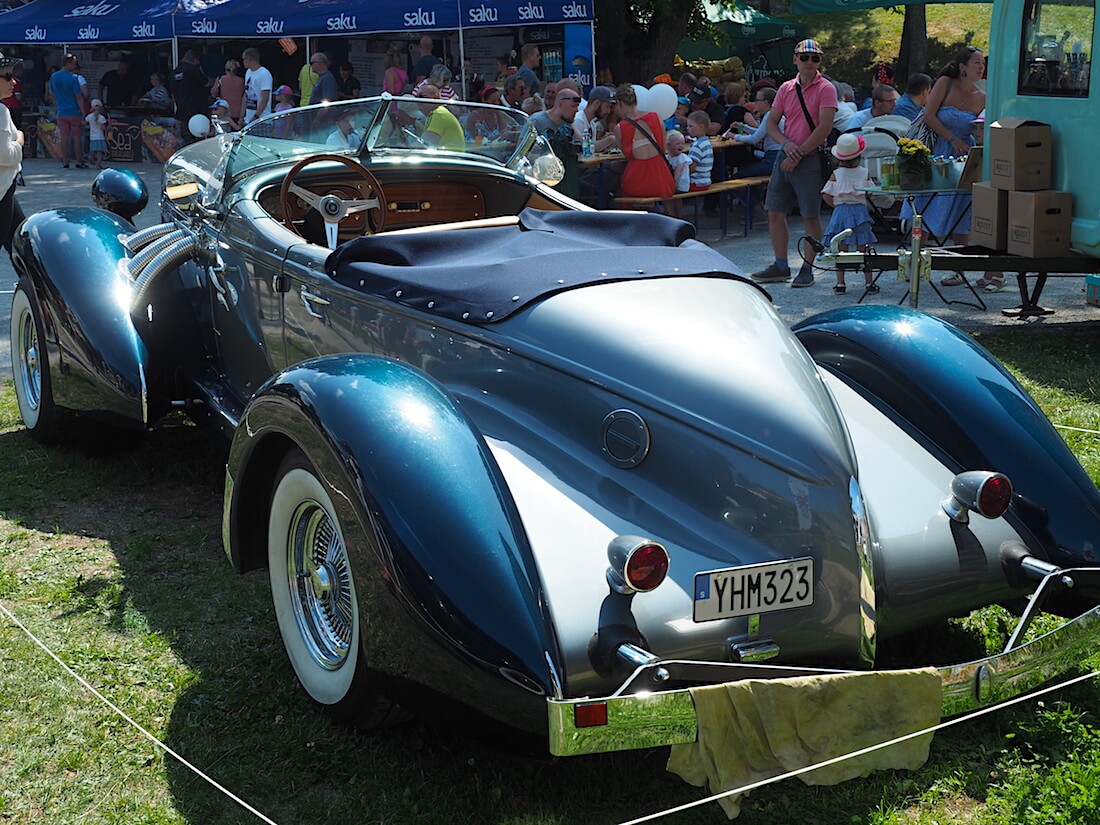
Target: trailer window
(1056, 51)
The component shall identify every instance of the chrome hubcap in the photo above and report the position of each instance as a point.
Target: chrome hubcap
(320, 585)
(30, 372)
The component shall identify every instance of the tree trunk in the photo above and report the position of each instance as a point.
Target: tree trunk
(636, 51)
(913, 52)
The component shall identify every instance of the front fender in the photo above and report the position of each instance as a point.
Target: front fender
(965, 405)
(73, 259)
(449, 591)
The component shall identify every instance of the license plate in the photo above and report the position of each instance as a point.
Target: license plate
(754, 588)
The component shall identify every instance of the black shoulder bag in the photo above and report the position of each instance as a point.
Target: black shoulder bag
(828, 163)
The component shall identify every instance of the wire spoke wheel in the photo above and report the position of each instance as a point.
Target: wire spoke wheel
(313, 592)
(30, 369)
(319, 579)
(29, 373)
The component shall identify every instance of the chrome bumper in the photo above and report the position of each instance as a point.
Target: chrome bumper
(639, 718)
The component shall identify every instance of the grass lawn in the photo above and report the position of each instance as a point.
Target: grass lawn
(114, 560)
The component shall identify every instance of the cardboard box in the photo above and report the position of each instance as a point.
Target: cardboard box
(1020, 154)
(989, 220)
(1092, 290)
(1039, 223)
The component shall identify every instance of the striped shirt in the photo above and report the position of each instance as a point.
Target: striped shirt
(446, 92)
(702, 155)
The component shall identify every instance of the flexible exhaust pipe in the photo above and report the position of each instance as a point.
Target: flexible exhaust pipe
(167, 259)
(136, 266)
(137, 240)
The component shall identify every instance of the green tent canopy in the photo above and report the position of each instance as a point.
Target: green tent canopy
(752, 37)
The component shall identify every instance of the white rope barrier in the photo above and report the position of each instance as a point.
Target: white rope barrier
(133, 724)
(1076, 429)
(869, 749)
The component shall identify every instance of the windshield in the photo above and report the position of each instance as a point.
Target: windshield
(379, 125)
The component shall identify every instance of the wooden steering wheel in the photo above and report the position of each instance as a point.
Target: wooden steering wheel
(332, 208)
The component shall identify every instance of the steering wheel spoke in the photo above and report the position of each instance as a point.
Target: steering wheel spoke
(310, 198)
(332, 233)
(332, 208)
(354, 206)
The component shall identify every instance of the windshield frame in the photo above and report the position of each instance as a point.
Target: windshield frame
(259, 145)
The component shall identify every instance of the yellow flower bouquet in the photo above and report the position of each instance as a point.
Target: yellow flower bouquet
(914, 163)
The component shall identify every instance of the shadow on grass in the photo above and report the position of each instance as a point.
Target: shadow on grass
(241, 717)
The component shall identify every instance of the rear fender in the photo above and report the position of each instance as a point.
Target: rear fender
(442, 564)
(73, 259)
(963, 404)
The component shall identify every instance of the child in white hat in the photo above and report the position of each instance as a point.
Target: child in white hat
(97, 134)
(842, 193)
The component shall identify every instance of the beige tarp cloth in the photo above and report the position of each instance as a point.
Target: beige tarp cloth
(760, 728)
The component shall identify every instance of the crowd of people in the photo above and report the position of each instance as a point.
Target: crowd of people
(786, 131)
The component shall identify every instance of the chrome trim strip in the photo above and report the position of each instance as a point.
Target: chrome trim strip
(144, 396)
(868, 625)
(555, 677)
(650, 719)
(227, 497)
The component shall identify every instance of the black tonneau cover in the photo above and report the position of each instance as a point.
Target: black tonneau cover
(483, 275)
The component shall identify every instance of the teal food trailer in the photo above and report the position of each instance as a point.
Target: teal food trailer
(1040, 61)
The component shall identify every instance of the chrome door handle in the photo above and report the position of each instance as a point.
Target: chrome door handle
(309, 299)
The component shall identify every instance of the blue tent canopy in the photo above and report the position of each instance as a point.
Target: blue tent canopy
(482, 13)
(125, 21)
(289, 18)
(84, 21)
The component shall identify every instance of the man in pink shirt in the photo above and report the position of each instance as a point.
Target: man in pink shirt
(799, 172)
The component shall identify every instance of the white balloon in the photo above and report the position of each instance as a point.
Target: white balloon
(662, 101)
(642, 93)
(199, 125)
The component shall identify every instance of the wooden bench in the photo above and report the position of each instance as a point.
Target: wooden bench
(741, 188)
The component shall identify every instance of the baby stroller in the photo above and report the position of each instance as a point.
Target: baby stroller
(881, 136)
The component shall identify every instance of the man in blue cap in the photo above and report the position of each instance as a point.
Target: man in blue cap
(806, 105)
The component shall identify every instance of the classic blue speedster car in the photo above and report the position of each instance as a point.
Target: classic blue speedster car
(551, 466)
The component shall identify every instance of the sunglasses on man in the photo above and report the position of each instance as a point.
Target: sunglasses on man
(816, 58)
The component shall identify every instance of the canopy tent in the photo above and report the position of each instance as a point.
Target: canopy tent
(105, 21)
(122, 21)
(311, 18)
(478, 14)
(749, 32)
(290, 18)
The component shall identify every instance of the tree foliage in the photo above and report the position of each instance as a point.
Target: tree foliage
(637, 39)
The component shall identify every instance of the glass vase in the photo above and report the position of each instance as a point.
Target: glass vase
(911, 178)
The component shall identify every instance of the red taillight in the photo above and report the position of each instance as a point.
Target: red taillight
(995, 496)
(646, 567)
(590, 716)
